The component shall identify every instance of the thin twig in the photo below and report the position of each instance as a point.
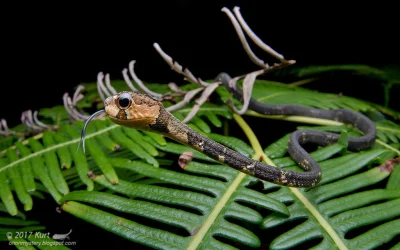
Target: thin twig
(39, 123)
(3, 125)
(70, 108)
(77, 95)
(175, 66)
(74, 111)
(66, 106)
(100, 77)
(257, 41)
(108, 84)
(4, 130)
(243, 40)
(127, 80)
(250, 78)
(27, 119)
(174, 87)
(248, 84)
(204, 96)
(33, 124)
(255, 38)
(139, 82)
(186, 99)
(103, 98)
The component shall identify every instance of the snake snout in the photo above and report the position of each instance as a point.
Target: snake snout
(108, 101)
(109, 107)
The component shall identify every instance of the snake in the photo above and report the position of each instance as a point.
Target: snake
(143, 112)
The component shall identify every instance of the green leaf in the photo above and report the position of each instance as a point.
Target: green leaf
(128, 229)
(105, 139)
(52, 164)
(62, 152)
(139, 151)
(136, 190)
(16, 179)
(26, 170)
(137, 137)
(279, 93)
(165, 214)
(5, 191)
(100, 158)
(277, 149)
(338, 205)
(78, 157)
(222, 196)
(42, 171)
(360, 69)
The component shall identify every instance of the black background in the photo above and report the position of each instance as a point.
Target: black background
(49, 50)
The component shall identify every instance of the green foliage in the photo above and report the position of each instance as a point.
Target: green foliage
(347, 199)
(388, 75)
(14, 227)
(278, 93)
(332, 69)
(129, 183)
(209, 201)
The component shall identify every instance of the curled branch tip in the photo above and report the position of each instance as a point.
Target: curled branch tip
(139, 82)
(238, 23)
(175, 66)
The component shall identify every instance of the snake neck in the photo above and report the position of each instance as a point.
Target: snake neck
(174, 129)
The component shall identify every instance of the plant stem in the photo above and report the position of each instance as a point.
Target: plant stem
(197, 239)
(293, 118)
(36, 137)
(302, 82)
(311, 208)
(387, 146)
(15, 163)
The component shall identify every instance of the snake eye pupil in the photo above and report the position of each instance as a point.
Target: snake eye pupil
(123, 102)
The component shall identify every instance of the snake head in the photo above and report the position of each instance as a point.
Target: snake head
(132, 109)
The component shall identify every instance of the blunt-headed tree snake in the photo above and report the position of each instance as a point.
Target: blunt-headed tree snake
(141, 111)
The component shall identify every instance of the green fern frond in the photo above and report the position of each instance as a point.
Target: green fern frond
(280, 93)
(388, 131)
(213, 200)
(345, 200)
(212, 112)
(48, 158)
(136, 190)
(388, 76)
(15, 230)
(314, 70)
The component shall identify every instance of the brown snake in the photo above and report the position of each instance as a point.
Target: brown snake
(142, 112)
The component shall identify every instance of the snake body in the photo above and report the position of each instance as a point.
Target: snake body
(141, 111)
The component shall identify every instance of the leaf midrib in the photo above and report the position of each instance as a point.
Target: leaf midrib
(60, 145)
(388, 129)
(308, 204)
(197, 239)
(187, 110)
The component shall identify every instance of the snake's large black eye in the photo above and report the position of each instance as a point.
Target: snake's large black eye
(124, 101)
